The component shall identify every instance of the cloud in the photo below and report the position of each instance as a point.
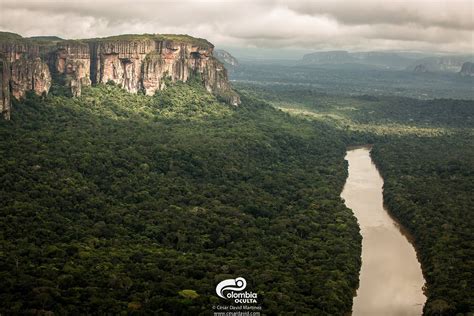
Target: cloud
(325, 24)
(454, 14)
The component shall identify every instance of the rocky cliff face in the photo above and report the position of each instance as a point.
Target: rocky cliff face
(467, 69)
(5, 103)
(22, 70)
(137, 63)
(226, 58)
(143, 65)
(29, 75)
(72, 61)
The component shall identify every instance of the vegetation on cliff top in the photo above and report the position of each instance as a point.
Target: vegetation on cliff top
(180, 38)
(8, 36)
(46, 38)
(183, 38)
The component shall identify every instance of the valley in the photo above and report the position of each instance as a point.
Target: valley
(123, 200)
(424, 151)
(391, 281)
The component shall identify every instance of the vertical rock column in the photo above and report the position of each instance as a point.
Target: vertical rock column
(120, 62)
(29, 75)
(73, 62)
(5, 101)
(21, 70)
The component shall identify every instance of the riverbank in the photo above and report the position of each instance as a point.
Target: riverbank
(391, 280)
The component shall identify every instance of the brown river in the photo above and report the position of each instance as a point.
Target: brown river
(391, 280)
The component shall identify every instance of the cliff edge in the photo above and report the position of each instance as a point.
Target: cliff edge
(137, 63)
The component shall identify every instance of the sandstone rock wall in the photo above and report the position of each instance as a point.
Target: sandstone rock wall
(120, 62)
(13, 51)
(29, 75)
(140, 64)
(22, 70)
(72, 60)
(5, 103)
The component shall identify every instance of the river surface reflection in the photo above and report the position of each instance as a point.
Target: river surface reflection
(391, 280)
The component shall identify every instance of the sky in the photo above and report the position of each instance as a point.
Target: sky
(354, 25)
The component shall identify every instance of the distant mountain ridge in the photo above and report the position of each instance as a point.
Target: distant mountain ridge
(340, 57)
(329, 57)
(388, 60)
(450, 63)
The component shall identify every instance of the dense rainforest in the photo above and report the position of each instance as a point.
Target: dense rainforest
(425, 152)
(348, 80)
(428, 186)
(119, 203)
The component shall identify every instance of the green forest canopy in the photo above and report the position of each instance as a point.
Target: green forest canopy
(143, 204)
(115, 202)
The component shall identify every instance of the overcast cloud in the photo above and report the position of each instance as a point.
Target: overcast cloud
(422, 25)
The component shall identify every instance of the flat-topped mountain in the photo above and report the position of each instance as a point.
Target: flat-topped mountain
(467, 69)
(329, 57)
(137, 63)
(341, 57)
(416, 62)
(448, 63)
